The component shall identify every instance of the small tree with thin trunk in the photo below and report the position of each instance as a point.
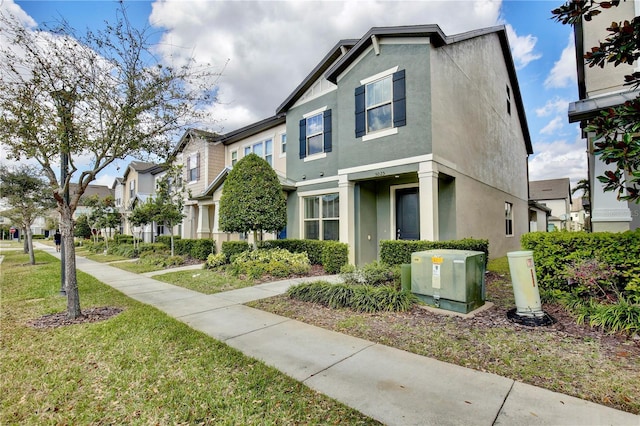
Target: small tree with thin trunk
(168, 202)
(252, 199)
(28, 196)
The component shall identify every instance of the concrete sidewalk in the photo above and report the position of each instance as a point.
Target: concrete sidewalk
(387, 384)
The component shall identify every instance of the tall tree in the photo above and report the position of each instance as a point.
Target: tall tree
(78, 102)
(28, 196)
(617, 128)
(252, 199)
(103, 216)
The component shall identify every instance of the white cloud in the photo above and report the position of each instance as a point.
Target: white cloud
(553, 126)
(563, 74)
(522, 48)
(559, 159)
(556, 105)
(271, 46)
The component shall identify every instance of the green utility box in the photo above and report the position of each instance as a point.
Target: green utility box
(449, 279)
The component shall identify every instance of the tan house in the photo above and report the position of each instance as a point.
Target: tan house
(554, 194)
(136, 186)
(601, 88)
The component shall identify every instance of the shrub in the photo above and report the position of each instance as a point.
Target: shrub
(590, 277)
(152, 247)
(202, 248)
(374, 273)
(332, 255)
(160, 258)
(123, 239)
(397, 252)
(215, 261)
(362, 298)
(233, 248)
(166, 239)
(124, 250)
(275, 262)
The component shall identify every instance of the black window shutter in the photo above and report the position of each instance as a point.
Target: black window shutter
(327, 130)
(303, 138)
(360, 111)
(399, 100)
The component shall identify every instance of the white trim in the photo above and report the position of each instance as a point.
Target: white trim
(375, 44)
(380, 133)
(317, 181)
(392, 206)
(317, 192)
(314, 157)
(378, 76)
(392, 163)
(314, 112)
(354, 63)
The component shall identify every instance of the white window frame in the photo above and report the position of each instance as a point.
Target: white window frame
(234, 157)
(267, 156)
(193, 167)
(509, 222)
(283, 145)
(320, 219)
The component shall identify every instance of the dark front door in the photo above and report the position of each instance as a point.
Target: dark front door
(407, 214)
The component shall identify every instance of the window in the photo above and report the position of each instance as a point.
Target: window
(193, 169)
(234, 158)
(381, 103)
(283, 144)
(322, 217)
(262, 149)
(315, 133)
(508, 213)
(132, 189)
(508, 100)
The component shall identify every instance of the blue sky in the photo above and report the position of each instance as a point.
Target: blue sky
(267, 47)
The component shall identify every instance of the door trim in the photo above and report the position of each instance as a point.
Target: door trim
(392, 204)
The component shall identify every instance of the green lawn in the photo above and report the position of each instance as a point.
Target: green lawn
(139, 367)
(204, 281)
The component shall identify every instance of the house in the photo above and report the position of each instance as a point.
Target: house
(579, 217)
(407, 133)
(266, 138)
(136, 186)
(556, 195)
(600, 88)
(538, 217)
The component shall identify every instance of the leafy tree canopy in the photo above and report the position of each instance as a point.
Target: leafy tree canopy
(252, 198)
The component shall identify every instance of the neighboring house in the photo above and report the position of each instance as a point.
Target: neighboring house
(598, 89)
(138, 184)
(266, 138)
(408, 133)
(118, 198)
(579, 217)
(538, 217)
(556, 195)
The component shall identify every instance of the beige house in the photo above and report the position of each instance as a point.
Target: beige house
(554, 194)
(601, 88)
(207, 158)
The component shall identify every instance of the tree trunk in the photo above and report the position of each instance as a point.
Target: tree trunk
(25, 245)
(71, 281)
(28, 237)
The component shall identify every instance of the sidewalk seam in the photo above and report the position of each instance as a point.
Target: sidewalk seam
(504, 401)
(338, 362)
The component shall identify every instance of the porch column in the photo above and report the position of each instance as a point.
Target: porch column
(607, 213)
(203, 230)
(347, 215)
(428, 180)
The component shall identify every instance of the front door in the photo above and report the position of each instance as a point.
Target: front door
(407, 214)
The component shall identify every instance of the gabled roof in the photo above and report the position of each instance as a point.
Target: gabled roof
(140, 167)
(102, 191)
(251, 129)
(193, 133)
(550, 189)
(336, 51)
(287, 184)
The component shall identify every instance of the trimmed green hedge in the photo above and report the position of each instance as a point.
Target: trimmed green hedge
(197, 249)
(123, 239)
(332, 255)
(554, 251)
(166, 239)
(397, 252)
(234, 248)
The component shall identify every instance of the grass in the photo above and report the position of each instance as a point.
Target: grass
(204, 281)
(139, 367)
(105, 258)
(138, 267)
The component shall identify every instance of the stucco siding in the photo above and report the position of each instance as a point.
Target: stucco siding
(472, 127)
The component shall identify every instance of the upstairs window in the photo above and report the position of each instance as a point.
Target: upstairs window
(193, 167)
(132, 189)
(283, 144)
(315, 133)
(380, 103)
(234, 158)
(262, 149)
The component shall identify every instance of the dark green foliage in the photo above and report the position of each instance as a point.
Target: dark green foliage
(397, 252)
(332, 255)
(234, 248)
(361, 298)
(252, 198)
(202, 248)
(123, 239)
(554, 252)
(123, 249)
(374, 273)
(166, 239)
(152, 247)
(82, 228)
